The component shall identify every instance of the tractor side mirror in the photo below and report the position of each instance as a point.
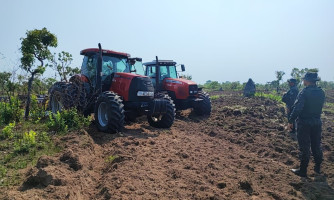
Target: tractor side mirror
(183, 68)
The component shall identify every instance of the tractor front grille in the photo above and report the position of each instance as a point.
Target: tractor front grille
(193, 89)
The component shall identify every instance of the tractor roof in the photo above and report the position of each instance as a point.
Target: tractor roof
(161, 62)
(104, 51)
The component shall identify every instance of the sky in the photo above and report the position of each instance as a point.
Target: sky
(218, 40)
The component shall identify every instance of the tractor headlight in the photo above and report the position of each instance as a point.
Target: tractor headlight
(145, 94)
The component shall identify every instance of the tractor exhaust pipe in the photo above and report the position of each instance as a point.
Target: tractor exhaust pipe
(98, 87)
(157, 75)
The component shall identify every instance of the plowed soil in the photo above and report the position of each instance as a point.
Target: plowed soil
(242, 151)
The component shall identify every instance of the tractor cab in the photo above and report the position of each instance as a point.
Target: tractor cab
(112, 62)
(184, 93)
(167, 70)
(164, 76)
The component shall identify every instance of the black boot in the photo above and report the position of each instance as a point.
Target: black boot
(300, 171)
(317, 168)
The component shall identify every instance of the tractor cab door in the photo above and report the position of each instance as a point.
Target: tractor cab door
(110, 65)
(88, 68)
(151, 72)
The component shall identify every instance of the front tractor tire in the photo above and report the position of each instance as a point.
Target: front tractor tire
(58, 100)
(204, 106)
(165, 120)
(109, 113)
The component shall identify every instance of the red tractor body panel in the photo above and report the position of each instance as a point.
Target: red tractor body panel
(179, 86)
(121, 84)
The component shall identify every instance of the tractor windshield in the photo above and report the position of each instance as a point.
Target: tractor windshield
(168, 72)
(165, 72)
(112, 64)
(138, 66)
(172, 71)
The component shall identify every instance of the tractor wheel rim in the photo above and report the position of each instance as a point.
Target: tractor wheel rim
(156, 118)
(102, 114)
(56, 104)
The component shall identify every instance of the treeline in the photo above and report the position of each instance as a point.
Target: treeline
(276, 85)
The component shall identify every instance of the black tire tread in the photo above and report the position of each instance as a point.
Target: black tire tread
(115, 115)
(167, 119)
(204, 108)
(60, 88)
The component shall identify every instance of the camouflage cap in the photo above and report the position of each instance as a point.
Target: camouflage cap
(292, 80)
(311, 76)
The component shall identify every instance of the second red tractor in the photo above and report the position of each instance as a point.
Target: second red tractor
(184, 93)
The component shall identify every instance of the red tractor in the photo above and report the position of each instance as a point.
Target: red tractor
(184, 93)
(107, 87)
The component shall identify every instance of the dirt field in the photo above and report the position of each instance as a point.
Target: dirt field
(241, 152)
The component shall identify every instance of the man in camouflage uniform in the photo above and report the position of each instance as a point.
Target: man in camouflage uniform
(307, 110)
(289, 99)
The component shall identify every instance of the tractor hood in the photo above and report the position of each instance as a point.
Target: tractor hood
(179, 81)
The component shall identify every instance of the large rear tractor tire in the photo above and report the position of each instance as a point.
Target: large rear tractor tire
(109, 113)
(165, 120)
(58, 100)
(203, 107)
(77, 94)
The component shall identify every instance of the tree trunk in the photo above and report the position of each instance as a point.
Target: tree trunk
(31, 79)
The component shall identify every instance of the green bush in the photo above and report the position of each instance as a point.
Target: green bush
(215, 97)
(43, 137)
(28, 141)
(37, 111)
(56, 123)
(3, 172)
(111, 158)
(273, 96)
(7, 131)
(10, 111)
(67, 120)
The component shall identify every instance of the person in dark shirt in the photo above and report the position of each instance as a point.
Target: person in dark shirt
(307, 110)
(289, 99)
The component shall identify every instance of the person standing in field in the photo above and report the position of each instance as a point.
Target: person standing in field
(307, 110)
(289, 99)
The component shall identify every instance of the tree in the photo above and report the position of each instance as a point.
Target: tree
(279, 76)
(212, 85)
(49, 82)
(187, 76)
(35, 47)
(63, 65)
(22, 82)
(5, 83)
(298, 73)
